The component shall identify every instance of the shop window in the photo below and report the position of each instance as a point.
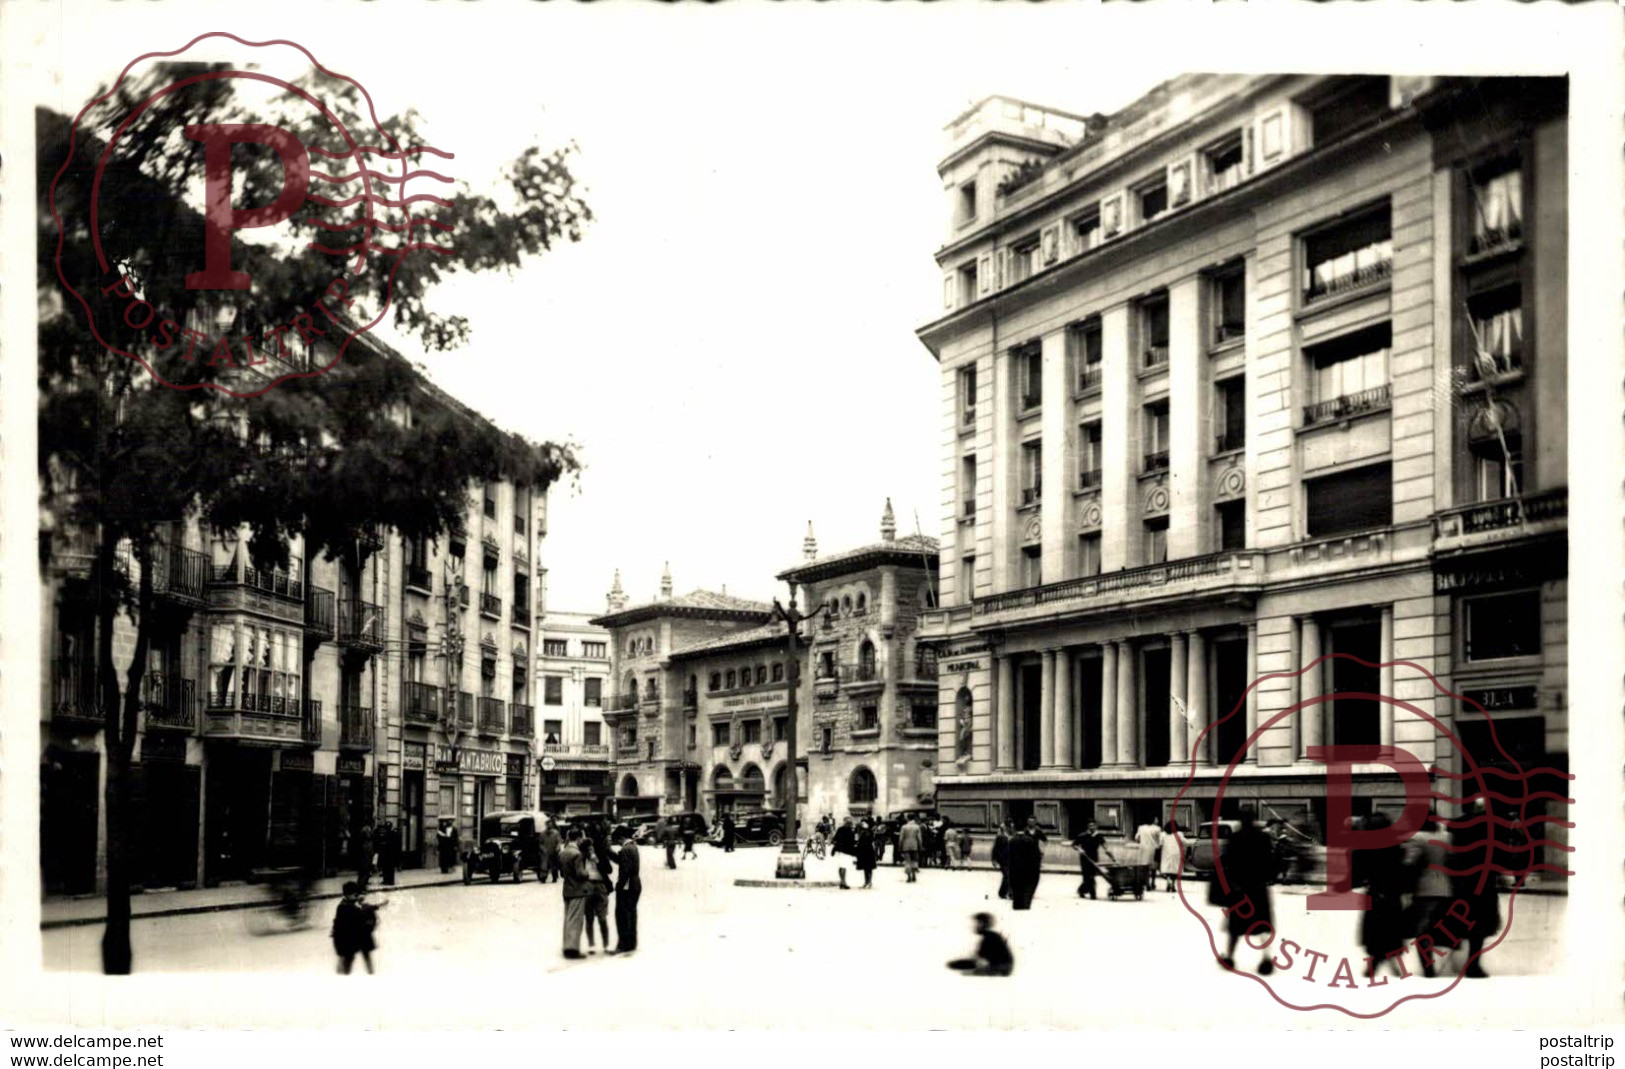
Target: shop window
(1498, 626)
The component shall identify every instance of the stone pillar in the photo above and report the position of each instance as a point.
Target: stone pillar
(1059, 430)
(888, 599)
(1002, 461)
(1178, 729)
(1119, 442)
(1196, 699)
(1065, 709)
(1252, 693)
(1109, 754)
(1128, 727)
(1385, 648)
(1004, 727)
(1188, 403)
(1046, 712)
(1311, 716)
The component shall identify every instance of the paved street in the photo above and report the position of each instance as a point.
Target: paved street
(870, 958)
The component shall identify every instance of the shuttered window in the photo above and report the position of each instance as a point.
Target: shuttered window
(1355, 500)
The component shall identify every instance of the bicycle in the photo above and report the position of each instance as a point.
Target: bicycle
(815, 846)
(288, 892)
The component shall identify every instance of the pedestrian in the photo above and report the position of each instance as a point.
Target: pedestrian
(688, 841)
(628, 889)
(864, 855)
(354, 922)
(1476, 887)
(1428, 855)
(1148, 837)
(992, 957)
(446, 845)
(577, 885)
(1025, 859)
(1036, 830)
(1089, 844)
(363, 856)
(908, 848)
(845, 842)
(389, 851)
(965, 844)
(944, 839)
(551, 844)
(1245, 890)
(668, 839)
(1171, 862)
(1386, 877)
(597, 905)
(1001, 857)
(727, 833)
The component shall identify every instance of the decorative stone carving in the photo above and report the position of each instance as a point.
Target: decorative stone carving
(1032, 532)
(1156, 500)
(1090, 515)
(416, 619)
(1232, 482)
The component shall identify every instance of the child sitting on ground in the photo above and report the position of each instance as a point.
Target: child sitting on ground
(993, 957)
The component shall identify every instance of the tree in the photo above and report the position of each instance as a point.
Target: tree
(326, 458)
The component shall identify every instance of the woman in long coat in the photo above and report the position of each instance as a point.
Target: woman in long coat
(865, 854)
(1025, 858)
(1172, 861)
(1001, 858)
(1386, 877)
(845, 841)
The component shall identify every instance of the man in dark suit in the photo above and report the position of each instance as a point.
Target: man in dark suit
(628, 889)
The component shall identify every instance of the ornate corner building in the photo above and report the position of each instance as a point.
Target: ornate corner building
(1258, 369)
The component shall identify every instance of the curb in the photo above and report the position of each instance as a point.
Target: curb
(788, 884)
(223, 907)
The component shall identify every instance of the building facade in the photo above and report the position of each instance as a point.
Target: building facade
(1257, 371)
(573, 683)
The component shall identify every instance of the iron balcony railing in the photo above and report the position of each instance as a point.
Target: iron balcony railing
(1089, 378)
(1486, 238)
(621, 703)
(523, 722)
(1504, 514)
(490, 605)
(421, 703)
(1347, 406)
(925, 665)
(310, 727)
(493, 716)
(368, 536)
(1031, 495)
(1156, 460)
(179, 574)
(356, 727)
(74, 693)
(170, 701)
(271, 580)
(1235, 562)
(1156, 355)
(361, 624)
(237, 701)
(1490, 364)
(1031, 399)
(320, 613)
(417, 576)
(1228, 439)
(1350, 271)
(1089, 479)
(465, 710)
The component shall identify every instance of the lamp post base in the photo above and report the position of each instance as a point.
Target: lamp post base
(791, 865)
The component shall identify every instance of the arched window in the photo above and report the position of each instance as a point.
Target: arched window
(866, 660)
(778, 672)
(716, 680)
(744, 675)
(761, 674)
(730, 679)
(781, 786)
(752, 781)
(651, 689)
(846, 605)
(863, 604)
(862, 789)
(629, 689)
(629, 787)
(722, 779)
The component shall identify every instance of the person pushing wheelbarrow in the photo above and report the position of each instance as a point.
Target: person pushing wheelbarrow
(1089, 846)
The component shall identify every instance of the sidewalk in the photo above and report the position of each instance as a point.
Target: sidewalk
(92, 909)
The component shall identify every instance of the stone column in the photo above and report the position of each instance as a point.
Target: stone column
(1188, 440)
(1046, 712)
(1196, 699)
(1178, 729)
(1128, 728)
(1311, 716)
(1119, 442)
(1252, 693)
(1385, 648)
(1059, 430)
(1109, 754)
(1004, 727)
(1065, 709)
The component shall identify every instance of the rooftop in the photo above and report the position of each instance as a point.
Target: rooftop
(917, 550)
(702, 603)
(754, 636)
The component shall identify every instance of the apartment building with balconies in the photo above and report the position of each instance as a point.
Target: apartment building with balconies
(1256, 370)
(572, 686)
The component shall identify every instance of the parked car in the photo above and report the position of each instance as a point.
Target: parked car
(694, 822)
(509, 843)
(764, 827)
(1208, 838)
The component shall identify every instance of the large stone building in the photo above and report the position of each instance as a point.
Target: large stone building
(1257, 370)
(573, 683)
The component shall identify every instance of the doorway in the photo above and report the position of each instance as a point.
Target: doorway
(1229, 690)
(1155, 697)
(1089, 750)
(1032, 681)
(69, 814)
(1356, 721)
(237, 812)
(412, 818)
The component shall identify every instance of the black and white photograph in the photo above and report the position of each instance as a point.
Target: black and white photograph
(818, 517)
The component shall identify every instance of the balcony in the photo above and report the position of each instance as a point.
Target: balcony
(651, 697)
(420, 704)
(1229, 439)
(524, 722)
(361, 625)
(170, 701)
(355, 727)
(75, 698)
(591, 751)
(521, 613)
(310, 726)
(691, 699)
(1494, 522)
(623, 703)
(1348, 406)
(1487, 239)
(1350, 272)
(272, 591)
(1089, 479)
(1214, 575)
(1225, 333)
(254, 717)
(465, 711)
(1155, 461)
(490, 606)
(369, 537)
(1089, 378)
(491, 547)
(493, 716)
(1031, 400)
(1156, 356)
(179, 575)
(418, 578)
(320, 614)
(967, 419)
(1031, 495)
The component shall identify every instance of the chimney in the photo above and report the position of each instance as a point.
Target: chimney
(888, 524)
(809, 545)
(617, 596)
(665, 583)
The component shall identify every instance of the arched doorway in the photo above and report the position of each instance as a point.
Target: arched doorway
(752, 781)
(862, 790)
(629, 787)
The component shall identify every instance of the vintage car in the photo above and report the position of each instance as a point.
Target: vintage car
(509, 844)
(765, 826)
(649, 834)
(1208, 838)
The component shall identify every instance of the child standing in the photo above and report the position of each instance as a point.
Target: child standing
(964, 848)
(353, 924)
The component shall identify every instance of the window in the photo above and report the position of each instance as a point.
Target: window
(967, 396)
(1497, 471)
(1088, 555)
(1228, 293)
(1229, 414)
(629, 737)
(967, 577)
(732, 680)
(861, 789)
(826, 740)
(1349, 375)
(555, 647)
(761, 674)
(1032, 566)
(1154, 330)
(552, 690)
(715, 682)
(1156, 540)
(552, 731)
(862, 606)
(967, 203)
(591, 733)
(1152, 197)
(1357, 500)
(521, 596)
(519, 523)
(1495, 320)
(778, 671)
(869, 718)
(866, 660)
(1356, 103)
(781, 728)
(1032, 471)
(826, 665)
(1154, 421)
(922, 716)
(649, 749)
(752, 730)
(692, 737)
(720, 734)
(1089, 456)
(1224, 164)
(1232, 516)
(967, 487)
(592, 692)
(1086, 228)
(1501, 625)
(1029, 369)
(1496, 192)
(1347, 256)
(1023, 259)
(491, 502)
(1084, 352)
(595, 650)
(967, 283)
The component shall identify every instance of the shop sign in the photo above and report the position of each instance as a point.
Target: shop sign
(755, 701)
(516, 764)
(481, 762)
(962, 666)
(298, 761)
(164, 747)
(350, 765)
(966, 650)
(414, 756)
(1494, 698)
(445, 758)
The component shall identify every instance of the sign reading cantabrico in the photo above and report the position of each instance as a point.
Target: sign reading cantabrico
(756, 701)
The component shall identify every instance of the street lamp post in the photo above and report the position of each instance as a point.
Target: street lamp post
(792, 865)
